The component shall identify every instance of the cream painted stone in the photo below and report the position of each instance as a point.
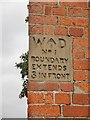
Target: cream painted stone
(50, 58)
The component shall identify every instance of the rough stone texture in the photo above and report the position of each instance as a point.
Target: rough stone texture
(54, 59)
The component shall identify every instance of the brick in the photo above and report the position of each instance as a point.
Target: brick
(36, 9)
(46, 2)
(88, 53)
(81, 65)
(78, 53)
(88, 3)
(74, 22)
(48, 30)
(49, 2)
(74, 4)
(80, 43)
(80, 75)
(74, 12)
(76, 32)
(87, 32)
(35, 98)
(40, 98)
(82, 99)
(88, 75)
(66, 87)
(35, 30)
(64, 119)
(89, 36)
(61, 31)
(47, 111)
(62, 98)
(49, 98)
(46, 86)
(36, 118)
(89, 13)
(85, 12)
(82, 22)
(47, 10)
(84, 86)
(49, 20)
(32, 86)
(76, 111)
(52, 86)
(52, 118)
(41, 86)
(59, 11)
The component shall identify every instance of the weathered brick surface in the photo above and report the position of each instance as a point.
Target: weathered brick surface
(43, 86)
(87, 53)
(74, 4)
(76, 32)
(39, 2)
(35, 98)
(36, 9)
(80, 43)
(66, 87)
(59, 11)
(48, 20)
(62, 98)
(75, 12)
(84, 86)
(47, 10)
(78, 53)
(61, 31)
(48, 111)
(85, 13)
(51, 118)
(80, 75)
(81, 65)
(52, 86)
(40, 98)
(32, 86)
(35, 29)
(48, 30)
(74, 22)
(50, 100)
(79, 111)
(86, 32)
(81, 99)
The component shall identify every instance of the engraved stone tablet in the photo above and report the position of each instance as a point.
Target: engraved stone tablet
(50, 58)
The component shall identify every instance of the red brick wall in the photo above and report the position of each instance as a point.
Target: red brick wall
(62, 99)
